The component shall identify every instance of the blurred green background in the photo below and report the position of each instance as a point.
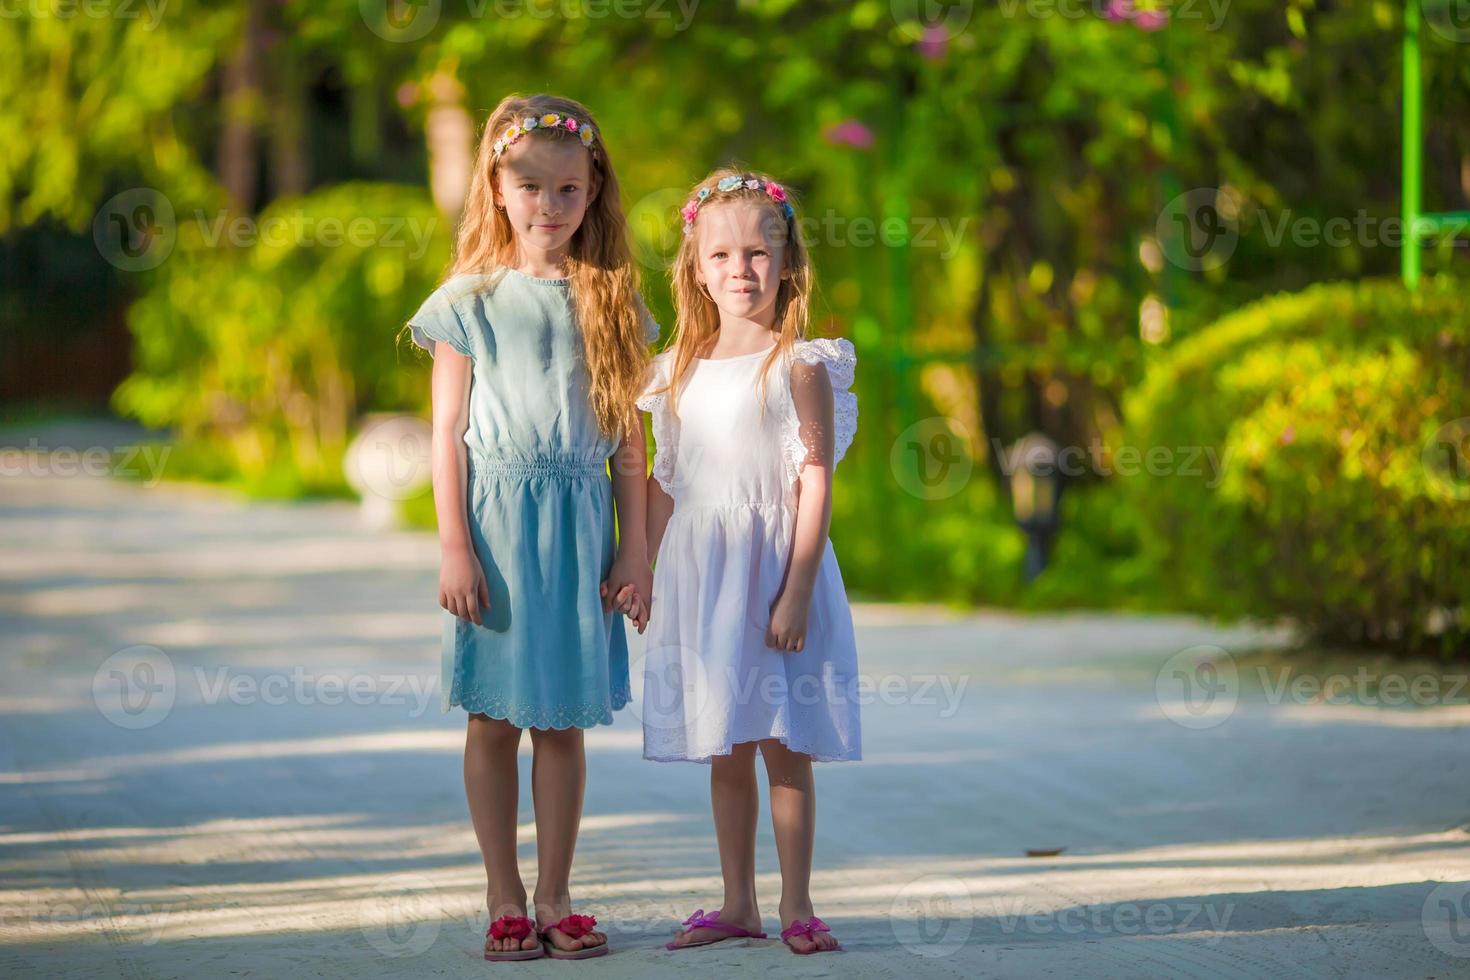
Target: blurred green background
(1165, 236)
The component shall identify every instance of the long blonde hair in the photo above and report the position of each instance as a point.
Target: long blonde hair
(697, 319)
(603, 279)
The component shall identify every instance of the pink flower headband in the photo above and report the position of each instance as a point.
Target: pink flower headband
(548, 120)
(773, 190)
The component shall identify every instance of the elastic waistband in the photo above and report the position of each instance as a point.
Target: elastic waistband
(563, 467)
(682, 506)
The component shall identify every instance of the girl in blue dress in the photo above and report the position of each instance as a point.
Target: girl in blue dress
(539, 338)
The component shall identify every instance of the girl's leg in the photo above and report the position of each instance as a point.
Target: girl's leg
(491, 786)
(794, 817)
(558, 779)
(735, 799)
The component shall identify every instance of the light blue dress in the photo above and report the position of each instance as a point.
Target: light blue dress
(539, 504)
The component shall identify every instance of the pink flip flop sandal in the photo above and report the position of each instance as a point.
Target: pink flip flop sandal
(516, 927)
(809, 930)
(575, 927)
(711, 920)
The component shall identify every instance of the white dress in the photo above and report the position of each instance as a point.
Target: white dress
(709, 680)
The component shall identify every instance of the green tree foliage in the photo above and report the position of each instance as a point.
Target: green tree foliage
(1023, 156)
(89, 101)
(261, 341)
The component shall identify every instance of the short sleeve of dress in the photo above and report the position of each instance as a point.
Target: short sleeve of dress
(840, 359)
(651, 328)
(665, 426)
(438, 320)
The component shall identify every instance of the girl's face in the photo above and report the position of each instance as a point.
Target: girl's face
(742, 258)
(545, 185)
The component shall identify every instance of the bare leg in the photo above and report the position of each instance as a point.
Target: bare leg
(491, 787)
(735, 799)
(794, 817)
(558, 779)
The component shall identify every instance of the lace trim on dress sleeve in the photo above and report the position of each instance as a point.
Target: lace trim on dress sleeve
(840, 359)
(665, 426)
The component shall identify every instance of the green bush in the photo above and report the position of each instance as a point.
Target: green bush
(1097, 561)
(260, 345)
(1337, 504)
(962, 549)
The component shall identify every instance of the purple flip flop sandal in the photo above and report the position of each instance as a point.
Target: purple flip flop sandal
(711, 920)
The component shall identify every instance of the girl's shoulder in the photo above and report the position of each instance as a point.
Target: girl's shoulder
(463, 284)
(836, 354)
(837, 357)
(452, 293)
(483, 285)
(483, 297)
(440, 319)
(660, 369)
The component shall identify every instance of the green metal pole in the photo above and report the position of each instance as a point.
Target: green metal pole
(1412, 142)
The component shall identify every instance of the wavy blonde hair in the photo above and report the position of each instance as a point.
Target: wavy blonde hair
(604, 281)
(697, 319)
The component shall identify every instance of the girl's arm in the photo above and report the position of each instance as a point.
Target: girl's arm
(660, 509)
(811, 392)
(462, 588)
(630, 567)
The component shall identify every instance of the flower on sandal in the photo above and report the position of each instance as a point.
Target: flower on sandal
(510, 927)
(577, 926)
(702, 919)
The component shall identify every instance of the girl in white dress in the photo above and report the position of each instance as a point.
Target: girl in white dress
(750, 637)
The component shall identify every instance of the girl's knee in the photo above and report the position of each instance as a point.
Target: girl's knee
(778, 756)
(496, 730)
(557, 737)
(775, 747)
(741, 757)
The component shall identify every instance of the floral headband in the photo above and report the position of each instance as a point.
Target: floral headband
(773, 190)
(549, 120)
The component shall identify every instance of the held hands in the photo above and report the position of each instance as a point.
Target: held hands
(789, 613)
(462, 588)
(629, 589)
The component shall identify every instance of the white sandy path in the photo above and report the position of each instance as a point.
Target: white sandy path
(278, 833)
